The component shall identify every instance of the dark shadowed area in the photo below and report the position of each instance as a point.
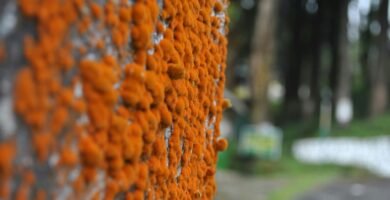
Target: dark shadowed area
(308, 81)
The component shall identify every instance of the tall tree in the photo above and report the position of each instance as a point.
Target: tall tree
(315, 45)
(293, 67)
(365, 44)
(378, 67)
(342, 87)
(262, 57)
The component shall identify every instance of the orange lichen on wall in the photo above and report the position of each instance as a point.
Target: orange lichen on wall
(123, 98)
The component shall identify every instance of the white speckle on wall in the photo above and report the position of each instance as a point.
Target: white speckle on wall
(9, 19)
(7, 118)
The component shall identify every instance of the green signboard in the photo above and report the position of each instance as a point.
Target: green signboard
(263, 141)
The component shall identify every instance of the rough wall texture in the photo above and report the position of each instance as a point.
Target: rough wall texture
(116, 99)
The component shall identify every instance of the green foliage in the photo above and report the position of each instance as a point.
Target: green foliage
(366, 128)
(225, 158)
(296, 130)
(234, 12)
(301, 177)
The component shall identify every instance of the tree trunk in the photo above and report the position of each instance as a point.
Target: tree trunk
(378, 69)
(365, 44)
(292, 71)
(343, 88)
(262, 58)
(315, 64)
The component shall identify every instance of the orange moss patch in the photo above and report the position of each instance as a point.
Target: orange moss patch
(145, 113)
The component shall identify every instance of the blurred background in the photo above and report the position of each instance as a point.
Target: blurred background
(308, 83)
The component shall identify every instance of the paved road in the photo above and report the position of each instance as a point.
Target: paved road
(372, 189)
(236, 186)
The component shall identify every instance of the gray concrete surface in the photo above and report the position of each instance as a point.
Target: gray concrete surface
(235, 186)
(232, 185)
(371, 189)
